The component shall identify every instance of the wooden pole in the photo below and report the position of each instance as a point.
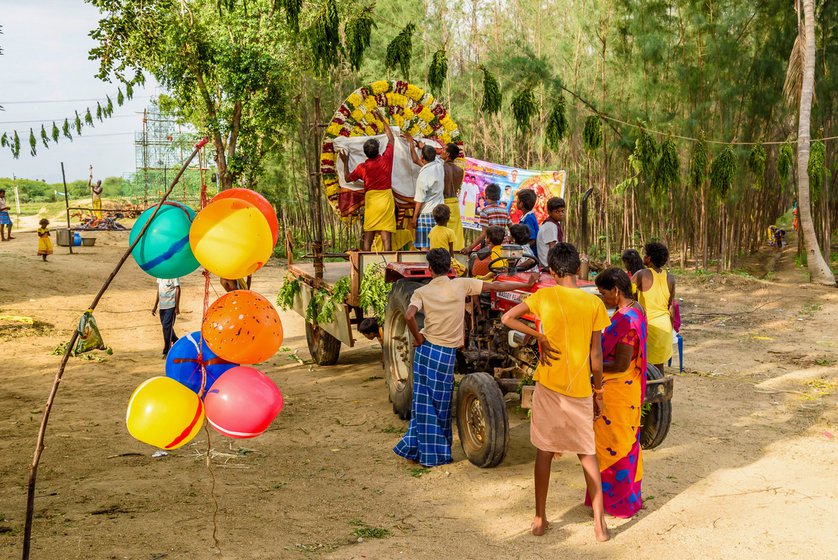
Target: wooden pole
(39, 445)
(67, 208)
(314, 186)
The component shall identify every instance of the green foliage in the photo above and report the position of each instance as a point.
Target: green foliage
(646, 151)
(592, 134)
(668, 170)
(324, 36)
(98, 111)
(492, 97)
(524, 108)
(65, 129)
(358, 33)
(120, 97)
(77, 124)
(292, 9)
(785, 162)
(817, 169)
(88, 118)
(698, 163)
(56, 134)
(400, 51)
(4, 140)
(33, 143)
(438, 71)
(318, 296)
(15, 145)
(374, 292)
(556, 128)
(756, 165)
(722, 171)
(44, 137)
(340, 291)
(287, 292)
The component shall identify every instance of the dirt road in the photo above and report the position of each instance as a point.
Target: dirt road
(748, 469)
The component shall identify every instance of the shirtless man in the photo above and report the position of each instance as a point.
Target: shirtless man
(453, 180)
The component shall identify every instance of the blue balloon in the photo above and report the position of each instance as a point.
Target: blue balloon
(163, 251)
(183, 366)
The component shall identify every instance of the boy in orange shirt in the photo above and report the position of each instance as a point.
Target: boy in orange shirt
(563, 412)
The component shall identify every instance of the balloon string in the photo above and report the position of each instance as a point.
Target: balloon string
(212, 488)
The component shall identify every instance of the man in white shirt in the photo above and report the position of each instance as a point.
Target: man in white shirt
(168, 299)
(429, 194)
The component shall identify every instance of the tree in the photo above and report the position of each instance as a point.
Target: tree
(227, 71)
(818, 268)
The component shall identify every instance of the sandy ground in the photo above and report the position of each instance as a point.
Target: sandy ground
(748, 469)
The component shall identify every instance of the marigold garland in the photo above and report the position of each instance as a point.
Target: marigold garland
(409, 107)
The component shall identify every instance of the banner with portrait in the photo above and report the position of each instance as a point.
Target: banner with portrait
(478, 174)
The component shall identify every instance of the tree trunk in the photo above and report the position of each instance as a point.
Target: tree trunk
(818, 268)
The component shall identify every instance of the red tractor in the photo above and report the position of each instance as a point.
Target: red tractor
(494, 361)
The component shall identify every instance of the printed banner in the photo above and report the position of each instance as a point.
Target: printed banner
(478, 174)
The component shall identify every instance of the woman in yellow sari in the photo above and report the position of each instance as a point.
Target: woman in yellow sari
(656, 292)
(617, 431)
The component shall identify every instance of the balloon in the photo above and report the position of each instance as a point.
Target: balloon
(183, 366)
(242, 327)
(259, 202)
(163, 251)
(243, 403)
(231, 238)
(164, 413)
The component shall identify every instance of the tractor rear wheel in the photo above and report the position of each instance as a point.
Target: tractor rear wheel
(482, 421)
(656, 416)
(323, 347)
(398, 347)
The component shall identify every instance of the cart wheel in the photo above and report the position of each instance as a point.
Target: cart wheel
(482, 422)
(323, 347)
(398, 347)
(656, 420)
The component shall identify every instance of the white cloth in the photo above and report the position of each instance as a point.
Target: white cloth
(404, 173)
(167, 292)
(547, 233)
(528, 253)
(430, 185)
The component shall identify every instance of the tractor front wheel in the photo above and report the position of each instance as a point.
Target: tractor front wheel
(482, 421)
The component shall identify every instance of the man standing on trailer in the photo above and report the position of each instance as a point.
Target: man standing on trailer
(95, 195)
(430, 187)
(453, 181)
(376, 173)
(442, 300)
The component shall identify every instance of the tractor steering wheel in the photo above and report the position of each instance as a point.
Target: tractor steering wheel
(511, 263)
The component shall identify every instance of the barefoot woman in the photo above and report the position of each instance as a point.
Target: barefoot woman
(624, 384)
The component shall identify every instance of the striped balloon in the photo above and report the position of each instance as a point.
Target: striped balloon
(163, 251)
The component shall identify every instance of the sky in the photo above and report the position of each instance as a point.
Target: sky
(45, 45)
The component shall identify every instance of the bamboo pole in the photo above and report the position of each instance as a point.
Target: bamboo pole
(67, 208)
(39, 445)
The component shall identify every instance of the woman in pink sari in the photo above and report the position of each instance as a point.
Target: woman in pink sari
(617, 431)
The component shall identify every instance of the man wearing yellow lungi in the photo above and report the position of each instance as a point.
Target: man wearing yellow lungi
(453, 180)
(375, 173)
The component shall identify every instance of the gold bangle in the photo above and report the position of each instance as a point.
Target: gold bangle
(598, 391)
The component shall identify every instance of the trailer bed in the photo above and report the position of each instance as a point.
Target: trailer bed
(332, 272)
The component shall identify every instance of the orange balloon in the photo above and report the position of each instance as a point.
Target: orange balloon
(256, 200)
(242, 327)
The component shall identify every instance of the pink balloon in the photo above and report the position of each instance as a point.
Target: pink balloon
(242, 403)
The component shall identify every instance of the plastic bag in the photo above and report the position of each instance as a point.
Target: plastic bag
(89, 337)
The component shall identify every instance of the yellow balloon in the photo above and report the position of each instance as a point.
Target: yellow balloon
(164, 413)
(231, 238)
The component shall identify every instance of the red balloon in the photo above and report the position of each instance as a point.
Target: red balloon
(256, 200)
(242, 403)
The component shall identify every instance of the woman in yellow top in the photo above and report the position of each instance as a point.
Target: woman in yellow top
(570, 323)
(44, 242)
(656, 292)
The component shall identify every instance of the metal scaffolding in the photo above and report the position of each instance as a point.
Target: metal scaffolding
(159, 148)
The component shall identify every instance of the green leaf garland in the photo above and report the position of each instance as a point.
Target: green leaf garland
(56, 134)
(400, 51)
(33, 143)
(592, 134)
(785, 162)
(756, 165)
(698, 163)
(722, 171)
(358, 34)
(817, 168)
(438, 71)
(524, 108)
(668, 169)
(16, 146)
(44, 136)
(556, 128)
(65, 129)
(646, 150)
(492, 97)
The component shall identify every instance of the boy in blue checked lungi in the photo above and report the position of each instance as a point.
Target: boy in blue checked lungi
(442, 300)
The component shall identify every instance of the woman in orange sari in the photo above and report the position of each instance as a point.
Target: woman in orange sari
(617, 431)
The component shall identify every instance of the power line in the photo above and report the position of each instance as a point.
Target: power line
(41, 101)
